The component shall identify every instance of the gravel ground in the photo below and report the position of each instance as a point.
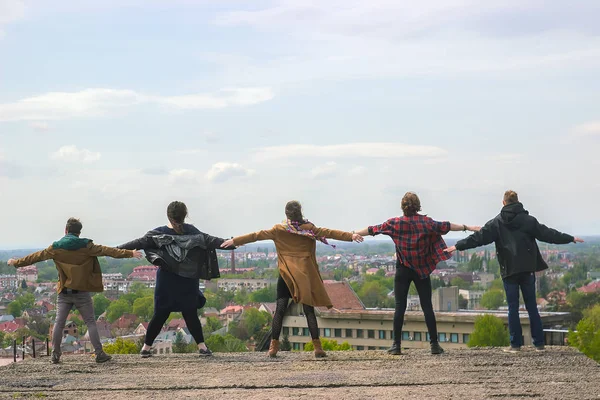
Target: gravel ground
(558, 373)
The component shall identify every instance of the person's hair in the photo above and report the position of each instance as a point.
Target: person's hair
(176, 213)
(293, 211)
(74, 226)
(510, 197)
(410, 204)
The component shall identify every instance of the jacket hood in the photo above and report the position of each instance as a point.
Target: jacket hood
(71, 242)
(511, 211)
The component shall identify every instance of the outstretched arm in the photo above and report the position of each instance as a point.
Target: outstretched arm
(268, 234)
(549, 235)
(145, 242)
(483, 236)
(337, 235)
(33, 258)
(214, 242)
(99, 251)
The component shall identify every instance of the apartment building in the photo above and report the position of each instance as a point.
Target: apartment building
(368, 329)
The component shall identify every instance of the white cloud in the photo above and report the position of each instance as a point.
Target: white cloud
(184, 176)
(73, 154)
(224, 171)
(359, 170)
(95, 102)
(350, 150)
(587, 129)
(323, 171)
(10, 11)
(39, 126)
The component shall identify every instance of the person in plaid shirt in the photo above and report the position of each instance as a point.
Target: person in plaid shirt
(419, 248)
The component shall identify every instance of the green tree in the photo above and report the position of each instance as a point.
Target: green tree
(180, 346)
(241, 297)
(587, 336)
(14, 308)
(285, 344)
(493, 267)
(23, 284)
(116, 309)
(373, 293)
(225, 344)
(101, 303)
(329, 345)
(143, 307)
(475, 263)
(497, 284)
(544, 286)
(492, 299)
(489, 330)
(264, 295)
(121, 346)
(213, 324)
(460, 282)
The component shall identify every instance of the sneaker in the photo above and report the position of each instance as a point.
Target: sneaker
(395, 350)
(540, 348)
(55, 358)
(205, 352)
(146, 353)
(511, 349)
(436, 348)
(102, 358)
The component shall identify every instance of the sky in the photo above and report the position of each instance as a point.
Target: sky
(110, 110)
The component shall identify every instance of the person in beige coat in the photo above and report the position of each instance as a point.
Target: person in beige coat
(299, 277)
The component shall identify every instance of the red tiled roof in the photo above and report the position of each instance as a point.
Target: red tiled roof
(342, 296)
(590, 288)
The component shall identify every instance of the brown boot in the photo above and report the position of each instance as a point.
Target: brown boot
(273, 348)
(319, 353)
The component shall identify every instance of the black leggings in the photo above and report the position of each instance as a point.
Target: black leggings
(160, 317)
(404, 276)
(283, 298)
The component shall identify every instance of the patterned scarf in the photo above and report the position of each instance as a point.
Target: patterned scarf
(294, 227)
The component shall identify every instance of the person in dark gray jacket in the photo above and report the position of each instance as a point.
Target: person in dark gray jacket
(514, 232)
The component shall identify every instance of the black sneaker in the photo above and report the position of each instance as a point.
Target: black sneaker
(55, 358)
(436, 348)
(102, 358)
(146, 353)
(205, 353)
(395, 350)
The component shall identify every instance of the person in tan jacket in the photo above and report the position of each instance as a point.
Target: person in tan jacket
(299, 277)
(79, 274)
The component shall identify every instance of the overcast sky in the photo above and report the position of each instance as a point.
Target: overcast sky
(111, 109)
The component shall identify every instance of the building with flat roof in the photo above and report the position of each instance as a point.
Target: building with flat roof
(372, 329)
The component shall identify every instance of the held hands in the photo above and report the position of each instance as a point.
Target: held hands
(227, 243)
(12, 261)
(576, 240)
(357, 238)
(137, 254)
(452, 249)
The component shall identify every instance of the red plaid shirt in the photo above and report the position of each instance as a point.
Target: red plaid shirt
(418, 239)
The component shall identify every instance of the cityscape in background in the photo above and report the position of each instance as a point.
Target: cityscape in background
(358, 279)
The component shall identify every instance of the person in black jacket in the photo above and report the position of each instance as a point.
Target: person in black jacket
(514, 232)
(184, 255)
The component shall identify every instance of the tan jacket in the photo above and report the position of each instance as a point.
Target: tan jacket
(77, 269)
(297, 260)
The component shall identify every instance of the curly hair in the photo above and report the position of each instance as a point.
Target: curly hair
(293, 211)
(410, 204)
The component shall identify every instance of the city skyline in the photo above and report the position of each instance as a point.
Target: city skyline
(110, 111)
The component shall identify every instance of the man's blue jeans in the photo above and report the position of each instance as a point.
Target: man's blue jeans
(525, 282)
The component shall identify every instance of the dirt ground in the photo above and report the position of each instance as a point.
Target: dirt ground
(558, 373)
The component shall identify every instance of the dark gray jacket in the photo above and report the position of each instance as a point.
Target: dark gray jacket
(514, 232)
(190, 256)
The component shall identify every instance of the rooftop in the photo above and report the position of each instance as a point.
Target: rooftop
(559, 373)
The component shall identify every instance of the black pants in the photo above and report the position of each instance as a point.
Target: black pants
(283, 298)
(160, 317)
(404, 276)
